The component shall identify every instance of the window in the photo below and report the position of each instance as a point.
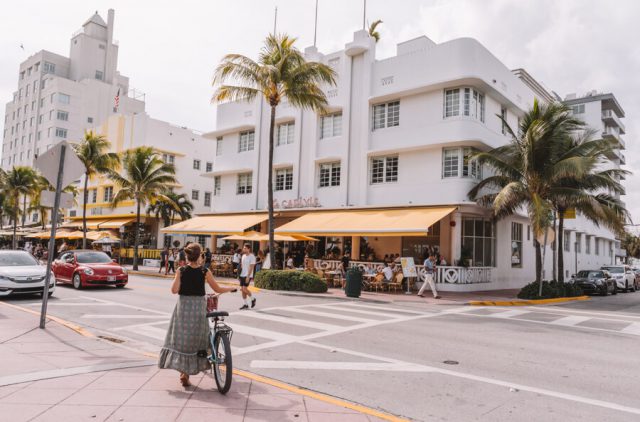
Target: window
(93, 196)
(102, 46)
(34, 217)
(386, 115)
(587, 245)
(217, 184)
(63, 98)
(578, 242)
(169, 158)
(43, 83)
(516, 245)
(31, 122)
(209, 167)
(597, 246)
(329, 174)
(108, 194)
(219, 145)
(99, 75)
(567, 241)
(246, 141)
(503, 115)
(384, 170)
(285, 134)
(195, 194)
(207, 199)
(49, 67)
(471, 103)
(40, 119)
(41, 102)
(196, 164)
(63, 115)
(331, 125)
(284, 179)
(89, 119)
(61, 133)
(478, 242)
(454, 159)
(578, 109)
(244, 184)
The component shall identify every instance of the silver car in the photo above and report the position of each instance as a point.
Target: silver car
(20, 273)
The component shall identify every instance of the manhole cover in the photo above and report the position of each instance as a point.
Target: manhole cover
(451, 362)
(111, 339)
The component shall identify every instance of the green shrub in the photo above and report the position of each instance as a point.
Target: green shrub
(550, 290)
(290, 280)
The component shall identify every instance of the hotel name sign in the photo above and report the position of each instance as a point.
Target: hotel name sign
(310, 202)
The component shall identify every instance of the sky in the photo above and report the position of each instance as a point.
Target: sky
(169, 49)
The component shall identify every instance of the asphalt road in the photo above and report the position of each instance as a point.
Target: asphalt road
(574, 362)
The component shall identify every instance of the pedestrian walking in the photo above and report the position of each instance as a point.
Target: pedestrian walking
(171, 262)
(429, 268)
(164, 255)
(187, 339)
(247, 267)
(207, 258)
(235, 261)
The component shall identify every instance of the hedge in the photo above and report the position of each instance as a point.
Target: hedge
(550, 290)
(290, 280)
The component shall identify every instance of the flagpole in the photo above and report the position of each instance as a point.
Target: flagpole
(315, 28)
(364, 15)
(275, 20)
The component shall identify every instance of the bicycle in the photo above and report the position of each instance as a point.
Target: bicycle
(220, 342)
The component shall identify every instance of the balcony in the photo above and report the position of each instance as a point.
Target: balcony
(609, 117)
(611, 134)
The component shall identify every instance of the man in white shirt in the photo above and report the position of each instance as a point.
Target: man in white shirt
(429, 269)
(247, 267)
(388, 272)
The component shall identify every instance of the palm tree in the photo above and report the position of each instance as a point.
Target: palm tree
(166, 210)
(373, 31)
(144, 177)
(280, 72)
(94, 153)
(18, 182)
(580, 183)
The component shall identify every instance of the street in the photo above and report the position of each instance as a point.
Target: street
(426, 362)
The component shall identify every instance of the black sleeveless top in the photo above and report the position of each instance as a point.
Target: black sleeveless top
(192, 281)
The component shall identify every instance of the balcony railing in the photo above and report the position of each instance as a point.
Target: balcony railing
(609, 116)
(610, 133)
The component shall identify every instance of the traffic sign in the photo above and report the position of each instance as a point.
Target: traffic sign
(47, 198)
(49, 161)
(550, 237)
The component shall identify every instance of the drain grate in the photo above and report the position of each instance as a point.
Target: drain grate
(111, 339)
(451, 362)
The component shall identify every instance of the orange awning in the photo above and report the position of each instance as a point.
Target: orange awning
(217, 224)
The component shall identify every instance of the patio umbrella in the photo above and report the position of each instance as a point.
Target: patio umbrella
(106, 241)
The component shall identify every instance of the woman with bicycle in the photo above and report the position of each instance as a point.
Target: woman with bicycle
(187, 340)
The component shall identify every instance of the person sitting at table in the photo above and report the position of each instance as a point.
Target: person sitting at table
(388, 272)
(290, 264)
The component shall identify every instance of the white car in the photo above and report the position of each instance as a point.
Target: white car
(623, 275)
(20, 273)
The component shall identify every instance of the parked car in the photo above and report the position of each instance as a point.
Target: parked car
(20, 273)
(595, 281)
(83, 268)
(624, 277)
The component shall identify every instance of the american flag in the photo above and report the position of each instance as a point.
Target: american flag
(117, 99)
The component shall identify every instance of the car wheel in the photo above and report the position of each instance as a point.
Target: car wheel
(77, 283)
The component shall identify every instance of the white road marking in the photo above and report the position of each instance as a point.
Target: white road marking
(358, 311)
(593, 314)
(570, 321)
(383, 308)
(138, 308)
(328, 315)
(152, 332)
(288, 320)
(508, 314)
(131, 327)
(258, 332)
(73, 304)
(119, 316)
(633, 328)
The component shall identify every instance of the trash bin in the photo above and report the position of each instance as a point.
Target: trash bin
(353, 286)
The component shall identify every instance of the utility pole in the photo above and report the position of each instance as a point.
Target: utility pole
(275, 20)
(315, 27)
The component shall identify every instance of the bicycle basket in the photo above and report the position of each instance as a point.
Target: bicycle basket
(212, 302)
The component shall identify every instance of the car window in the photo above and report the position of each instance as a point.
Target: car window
(93, 258)
(583, 274)
(614, 270)
(596, 274)
(16, 259)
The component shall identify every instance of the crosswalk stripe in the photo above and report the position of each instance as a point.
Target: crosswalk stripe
(289, 320)
(383, 308)
(508, 314)
(258, 332)
(633, 328)
(328, 315)
(569, 321)
(152, 332)
(118, 316)
(358, 311)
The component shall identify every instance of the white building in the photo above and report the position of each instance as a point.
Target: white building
(60, 97)
(396, 139)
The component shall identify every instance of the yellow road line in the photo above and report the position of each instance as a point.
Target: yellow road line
(254, 377)
(526, 302)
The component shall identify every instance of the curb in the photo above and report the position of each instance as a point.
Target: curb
(526, 302)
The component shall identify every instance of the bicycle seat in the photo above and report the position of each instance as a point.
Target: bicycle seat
(217, 314)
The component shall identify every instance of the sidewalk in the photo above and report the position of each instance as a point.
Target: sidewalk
(66, 373)
(447, 298)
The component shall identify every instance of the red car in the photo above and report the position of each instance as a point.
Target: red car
(84, 268)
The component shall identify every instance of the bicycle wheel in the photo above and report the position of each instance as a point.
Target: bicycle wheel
(222, 367)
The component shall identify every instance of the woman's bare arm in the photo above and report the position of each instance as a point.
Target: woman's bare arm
(215, 286)
(175, 286)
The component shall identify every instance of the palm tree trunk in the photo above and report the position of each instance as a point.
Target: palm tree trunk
(84, 211)
(554, 248)
(137, 237)
(538, 261)
(14, 244)
(272, 255)
(24, 209)
(560, 246)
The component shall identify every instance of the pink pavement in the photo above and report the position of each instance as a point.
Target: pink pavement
(58, 374)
